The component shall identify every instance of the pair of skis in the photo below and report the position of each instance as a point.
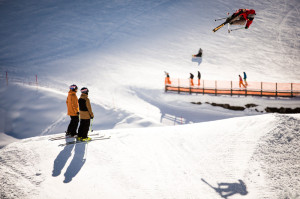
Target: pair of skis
(73, 140)
(103, 137)
(223, 24)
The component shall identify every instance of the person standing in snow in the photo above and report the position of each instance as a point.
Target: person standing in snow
(191, 79)
(241, 82)
(167, 80)
(86, 114)
(199, 78)
(73, 111)
(245, 79)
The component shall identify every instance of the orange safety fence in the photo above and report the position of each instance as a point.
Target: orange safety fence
(232, 87)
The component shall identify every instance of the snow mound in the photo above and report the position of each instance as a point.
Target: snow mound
(206, 159)
(278, 155)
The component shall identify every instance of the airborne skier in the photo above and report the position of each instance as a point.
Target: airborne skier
(240, 17)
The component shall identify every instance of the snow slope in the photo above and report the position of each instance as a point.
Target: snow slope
(162, 162)
(120, 49)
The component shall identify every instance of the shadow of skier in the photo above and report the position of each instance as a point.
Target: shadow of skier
(228, 189)
(197, 59)
(61, 160)
(76, 163)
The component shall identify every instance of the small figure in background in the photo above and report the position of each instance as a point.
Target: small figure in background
(199, 53)
(245, 79)
(241, 82)
(191, 79)
(199, 78)
(167, 79)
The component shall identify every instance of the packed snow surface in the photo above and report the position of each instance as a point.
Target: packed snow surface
(160, 145)
(246, 157)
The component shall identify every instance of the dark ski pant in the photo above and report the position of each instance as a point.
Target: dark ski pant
(84, 128)
(72, 128)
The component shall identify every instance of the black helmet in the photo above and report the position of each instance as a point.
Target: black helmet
(84, 90)
(73, 87)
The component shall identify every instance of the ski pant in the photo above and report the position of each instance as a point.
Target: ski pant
(239, 20)
(72, 128)
(198, 82)
(84, 128)
(242, 83)
(192, 82)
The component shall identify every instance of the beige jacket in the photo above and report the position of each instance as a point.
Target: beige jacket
(85, 109)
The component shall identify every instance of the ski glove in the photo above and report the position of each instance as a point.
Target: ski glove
(246, 27)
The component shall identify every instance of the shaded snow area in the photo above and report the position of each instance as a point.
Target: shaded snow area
(248, 157)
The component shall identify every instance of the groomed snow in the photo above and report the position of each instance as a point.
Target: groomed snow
(161, 145)
(162, 162)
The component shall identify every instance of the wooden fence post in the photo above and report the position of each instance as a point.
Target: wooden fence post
(216, 87)
(178, 86)
(261, 87)
(231, 88)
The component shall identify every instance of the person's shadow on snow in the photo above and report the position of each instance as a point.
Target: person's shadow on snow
(228, 189)
(61, 160)
(76, 163)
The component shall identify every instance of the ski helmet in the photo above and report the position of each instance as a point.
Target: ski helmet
(84, 90)
(73, 87)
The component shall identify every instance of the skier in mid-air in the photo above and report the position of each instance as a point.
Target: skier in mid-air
(199, 53)
(240, 17)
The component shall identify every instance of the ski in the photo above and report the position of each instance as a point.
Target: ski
(66, 137)
(78, 142)
(220, 26)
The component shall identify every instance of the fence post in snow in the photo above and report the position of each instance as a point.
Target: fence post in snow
(215, 87)
(178, 86)
(231, 88)
(261, 89)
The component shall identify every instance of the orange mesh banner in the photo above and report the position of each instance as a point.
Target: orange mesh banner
(233, 87)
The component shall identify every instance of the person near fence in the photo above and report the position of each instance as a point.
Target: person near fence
(192, 79)
(245, 79)
(241, 82)
(73, 111)
(199, 78)
(86, 114)
(167, 79)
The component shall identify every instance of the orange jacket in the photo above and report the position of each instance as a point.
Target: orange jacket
(72, 103)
